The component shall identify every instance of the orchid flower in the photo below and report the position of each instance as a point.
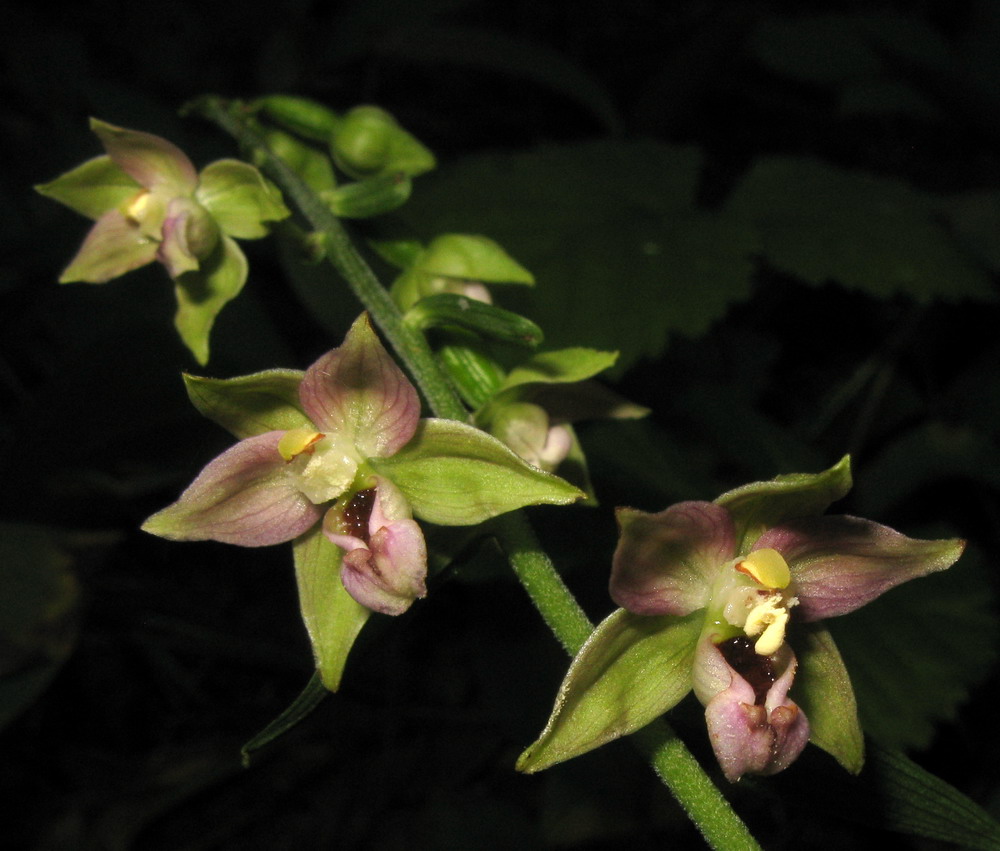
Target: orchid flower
(727, 598)
(149, 204)
(340, 450)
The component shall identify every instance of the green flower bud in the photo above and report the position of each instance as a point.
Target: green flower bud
(370, 142)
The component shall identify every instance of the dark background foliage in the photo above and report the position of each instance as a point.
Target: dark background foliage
(784, 215)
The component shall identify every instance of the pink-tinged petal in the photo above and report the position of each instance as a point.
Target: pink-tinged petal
(113, 247)
(358, 392)
(839, 563)
(189, 236)
(388, 577)
(244, 497)
(149, 160)
(174, 252)
(666, 563)
(385, 564)
(752, 730)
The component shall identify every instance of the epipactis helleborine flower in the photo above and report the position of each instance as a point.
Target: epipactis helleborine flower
(149, 204)
(711, 589)
(273, 487)
(343, 444)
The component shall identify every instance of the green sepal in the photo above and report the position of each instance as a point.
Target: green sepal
(301, 115)
(368, 141)
(201, 294)
(374, 196)
(456, 475)
(239, 198)
(823, 690)
(310, 163)
(333, 618)
(92, 188)
(760, 505)
(249, 405)
(450, 310)
(471, 258)
(631, 669)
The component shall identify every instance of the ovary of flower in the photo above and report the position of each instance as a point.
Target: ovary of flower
(323, 466)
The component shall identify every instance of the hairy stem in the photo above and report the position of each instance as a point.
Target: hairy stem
(670, 758)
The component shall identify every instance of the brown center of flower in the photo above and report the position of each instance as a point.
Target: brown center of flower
(357, 513)
(757, 670)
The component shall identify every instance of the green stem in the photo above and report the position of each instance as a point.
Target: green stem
(408, 343)
(670, 758)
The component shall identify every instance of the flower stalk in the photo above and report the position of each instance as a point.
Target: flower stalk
(671, 760)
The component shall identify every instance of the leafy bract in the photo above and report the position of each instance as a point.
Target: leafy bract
(457, 475)
(874, 234)
(632, 669)
(563, 366)
(622, 256)
(471, 257)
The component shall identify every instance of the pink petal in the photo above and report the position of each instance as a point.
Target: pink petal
(750, 735)
(243, 497)
(388, 577)
(113, 246)
(666, 563)
(149, 160)
(357, 391)
(386, 562)
(839, 563)
(174, 251)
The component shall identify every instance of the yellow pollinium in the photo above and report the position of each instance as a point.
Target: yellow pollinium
(298, 440)
(767, 567)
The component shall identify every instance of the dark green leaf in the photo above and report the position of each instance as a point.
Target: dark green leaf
(875, 234)
(914, 654)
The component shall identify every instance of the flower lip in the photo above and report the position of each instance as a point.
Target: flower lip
(756, 669)
(357, 514)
